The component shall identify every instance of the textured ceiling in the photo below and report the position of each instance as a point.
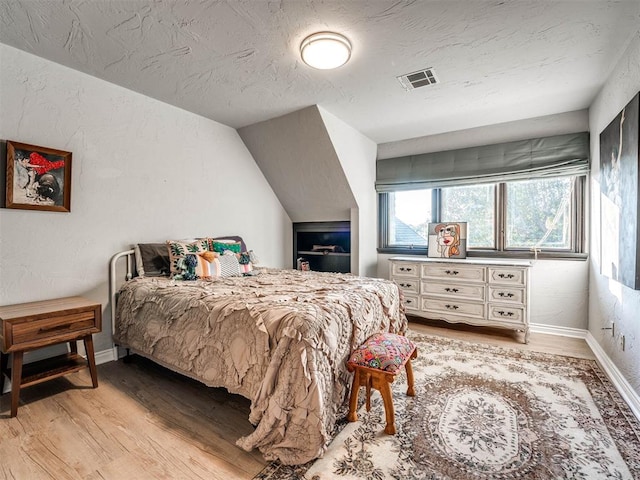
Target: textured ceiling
(237, 61)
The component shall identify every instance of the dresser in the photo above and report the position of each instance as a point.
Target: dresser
(478, 292)
(29, 326)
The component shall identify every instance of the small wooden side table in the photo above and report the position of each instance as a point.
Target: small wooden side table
(29, 326)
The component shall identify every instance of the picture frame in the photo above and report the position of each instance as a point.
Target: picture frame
(38, 178)
(619, 199)
(447, 240)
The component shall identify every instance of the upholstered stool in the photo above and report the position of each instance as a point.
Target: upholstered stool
(376, 363)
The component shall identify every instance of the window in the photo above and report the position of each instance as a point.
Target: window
(476, 206)
(409, 215)
(538, 214)
(509, 218)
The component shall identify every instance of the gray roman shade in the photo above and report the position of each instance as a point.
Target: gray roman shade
(521, 160)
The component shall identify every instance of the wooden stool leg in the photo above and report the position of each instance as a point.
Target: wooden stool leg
(16, 380)
(368, 379)
(73, 347)
(385, 391)
(410, 390)
(91, 358)
(353, 400)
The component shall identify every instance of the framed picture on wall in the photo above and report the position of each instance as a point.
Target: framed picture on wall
(38, 178)
(447, 240)
(619, 179)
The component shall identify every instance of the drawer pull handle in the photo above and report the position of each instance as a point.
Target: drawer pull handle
(65, 326)
(502, 294)
(451, 272)
(506, 275)
(405, 269)
(454, 290)
(505, 314)
(405, 285)
(452, 307)
(408, 302)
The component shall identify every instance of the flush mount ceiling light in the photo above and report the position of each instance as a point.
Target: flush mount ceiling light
(325, 50)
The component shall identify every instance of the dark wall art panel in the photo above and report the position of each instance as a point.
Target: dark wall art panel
(620, 252)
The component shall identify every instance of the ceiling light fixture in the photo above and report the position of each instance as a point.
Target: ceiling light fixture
(325, 50)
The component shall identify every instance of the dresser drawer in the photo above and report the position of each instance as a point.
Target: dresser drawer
(408, 285)
(453, 272)
(506, 294)
(38, 331)
(405, 269)
(411, 303)
(451, 307)
(506, 314)
(506, 275)
(453, 290)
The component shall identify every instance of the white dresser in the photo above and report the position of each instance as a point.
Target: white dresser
(477, 292)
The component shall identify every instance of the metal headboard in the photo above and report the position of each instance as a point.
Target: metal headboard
(113, 281)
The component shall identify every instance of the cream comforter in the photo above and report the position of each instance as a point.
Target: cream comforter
(279, 338)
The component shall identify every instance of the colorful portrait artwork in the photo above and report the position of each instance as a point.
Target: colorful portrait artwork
(447, 240)
(619, 197)
(38, 178)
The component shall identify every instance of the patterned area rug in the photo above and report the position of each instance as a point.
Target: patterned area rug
(483, 412)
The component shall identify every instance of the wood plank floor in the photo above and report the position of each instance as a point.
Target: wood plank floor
(145, 422)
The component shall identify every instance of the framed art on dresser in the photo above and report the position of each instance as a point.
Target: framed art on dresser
(38, 178)
(447, 240)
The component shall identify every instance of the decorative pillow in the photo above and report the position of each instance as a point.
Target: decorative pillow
(210, 264)
(221, 246)
(233, 239)
(383, 351)
(179, 250)
(152, 259)
(186, 267)
(244, 259)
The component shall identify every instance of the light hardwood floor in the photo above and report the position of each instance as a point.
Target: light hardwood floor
(145, 422)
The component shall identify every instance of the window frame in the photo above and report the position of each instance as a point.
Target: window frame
(578, 237)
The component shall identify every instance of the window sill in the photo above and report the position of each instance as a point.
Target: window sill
(422, 251)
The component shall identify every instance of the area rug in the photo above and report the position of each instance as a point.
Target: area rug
(484, 412)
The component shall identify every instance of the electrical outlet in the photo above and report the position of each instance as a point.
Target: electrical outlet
(622, 342)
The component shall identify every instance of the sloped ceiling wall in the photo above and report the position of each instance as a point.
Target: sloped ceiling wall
(357, 154)
(298, 159)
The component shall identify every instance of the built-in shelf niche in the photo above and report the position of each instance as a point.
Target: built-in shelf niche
(307, 235)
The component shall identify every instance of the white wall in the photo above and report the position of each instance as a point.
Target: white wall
(559, 288)
(357, 155)
(142, 171)
(558, 124)
(610, 301)
(296, 155)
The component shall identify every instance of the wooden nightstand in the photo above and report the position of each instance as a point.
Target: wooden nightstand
(29, 326)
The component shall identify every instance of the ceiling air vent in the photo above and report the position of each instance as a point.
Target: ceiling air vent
(421, 78)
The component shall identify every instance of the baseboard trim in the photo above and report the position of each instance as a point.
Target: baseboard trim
(622, 385)
(561, 331)
(105, 356)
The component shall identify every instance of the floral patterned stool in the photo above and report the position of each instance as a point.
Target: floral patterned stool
(376, 363)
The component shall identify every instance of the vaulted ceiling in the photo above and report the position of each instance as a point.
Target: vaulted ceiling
(237, 61)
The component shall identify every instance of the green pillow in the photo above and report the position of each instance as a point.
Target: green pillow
(220, 247)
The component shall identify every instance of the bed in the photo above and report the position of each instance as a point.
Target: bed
(278, 337)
